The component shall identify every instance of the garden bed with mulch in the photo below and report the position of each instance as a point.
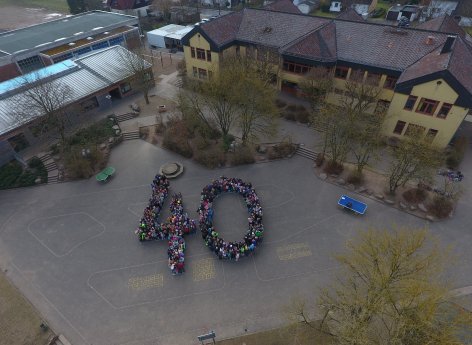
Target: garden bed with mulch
(414, 198)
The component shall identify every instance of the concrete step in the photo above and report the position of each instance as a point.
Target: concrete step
(307, 153)
(131, 135)
(179, 82)
(125, 117)
(44, 157)
(50, 165)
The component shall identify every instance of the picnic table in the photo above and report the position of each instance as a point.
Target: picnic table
(103, 175)
(352, 204)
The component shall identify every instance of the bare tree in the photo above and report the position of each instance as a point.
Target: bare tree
(316, 85)
(46, 99)
(390, 290)
(414, 157)
(135, 63)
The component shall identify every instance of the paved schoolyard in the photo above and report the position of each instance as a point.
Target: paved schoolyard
(71, 250)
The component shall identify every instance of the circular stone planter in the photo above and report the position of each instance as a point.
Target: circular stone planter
(171, 170)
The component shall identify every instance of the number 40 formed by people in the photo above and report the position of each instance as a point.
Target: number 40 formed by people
(179, 224)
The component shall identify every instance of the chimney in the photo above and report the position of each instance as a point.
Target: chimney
(429, 40)
(447, 47)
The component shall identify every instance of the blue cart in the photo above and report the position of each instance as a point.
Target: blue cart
(351, 204)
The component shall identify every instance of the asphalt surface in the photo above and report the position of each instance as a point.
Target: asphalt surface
(70, 248)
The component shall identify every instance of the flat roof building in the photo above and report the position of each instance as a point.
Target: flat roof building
(31, 48)
(101, 76)
(168, 36)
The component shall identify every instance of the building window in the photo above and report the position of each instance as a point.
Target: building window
(30, 64)
(82, 51)
(431, 134)
(427, 106)
(444, 110)
(208, 55)
(62, 57)
(295, 67)
(116, 41)
(192, 52)
(100, 45)
(381, 107)
(413, 129)
(125, 88)
(410, 102)
(200, 54)
(399, 127)
(373, 79)
(195, 72)
(357, 75)
(210, 74)
(390, 82)
(202, 73)
(341, 72)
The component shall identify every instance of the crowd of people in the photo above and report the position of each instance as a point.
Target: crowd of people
(178, 223)
(230, 250)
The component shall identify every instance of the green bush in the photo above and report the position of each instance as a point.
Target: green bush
(35, 163)
(227, 140)
(78, 167)
(211, 158)
(209, 133)
(201, 143)
(94, 134)
(378, 12)
(292, 107)
(281, 150)
(26, 179)
(280, 104)
(243, 155)
(9, 174)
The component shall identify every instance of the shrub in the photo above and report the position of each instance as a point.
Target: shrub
(159, 128)
(243, 155)
(292, 108)
(143, 132)
(209, 133)
(281, 150)
(288, 115)
(441, 207)
(177, 144)
(227, 140)
(303, 116)
(78, 167)
(455, 156)
(35, 163)
(333, 168)
(210, 158)
(415, 195)
(9, 174)
(319, 160)
(200, 143)
(355, 178)
(26, 179)
(280, 104)
(379, 12)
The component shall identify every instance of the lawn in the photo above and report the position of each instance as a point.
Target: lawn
(52, 5)
(320, 13)
(19, 319)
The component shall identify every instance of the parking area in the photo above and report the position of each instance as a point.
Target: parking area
(71, 250)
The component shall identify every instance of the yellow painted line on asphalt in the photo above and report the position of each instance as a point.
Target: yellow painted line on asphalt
(203, 269)
(146, 282)
(294, 251)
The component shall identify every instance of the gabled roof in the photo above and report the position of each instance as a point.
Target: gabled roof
(286, 6)
(319, 45)
(383, 46)
(464, 9)
(350, 14)
(454, 66)
(444, 23)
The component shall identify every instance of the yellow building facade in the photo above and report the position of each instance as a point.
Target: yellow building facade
(429, 91)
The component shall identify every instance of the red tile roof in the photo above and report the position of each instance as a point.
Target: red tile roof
(286, 6)
(319, 45)
(351, 14)
(443, 23)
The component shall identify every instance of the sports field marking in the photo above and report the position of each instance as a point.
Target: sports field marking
(146, 282)
(294, 251)
(203, 269)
